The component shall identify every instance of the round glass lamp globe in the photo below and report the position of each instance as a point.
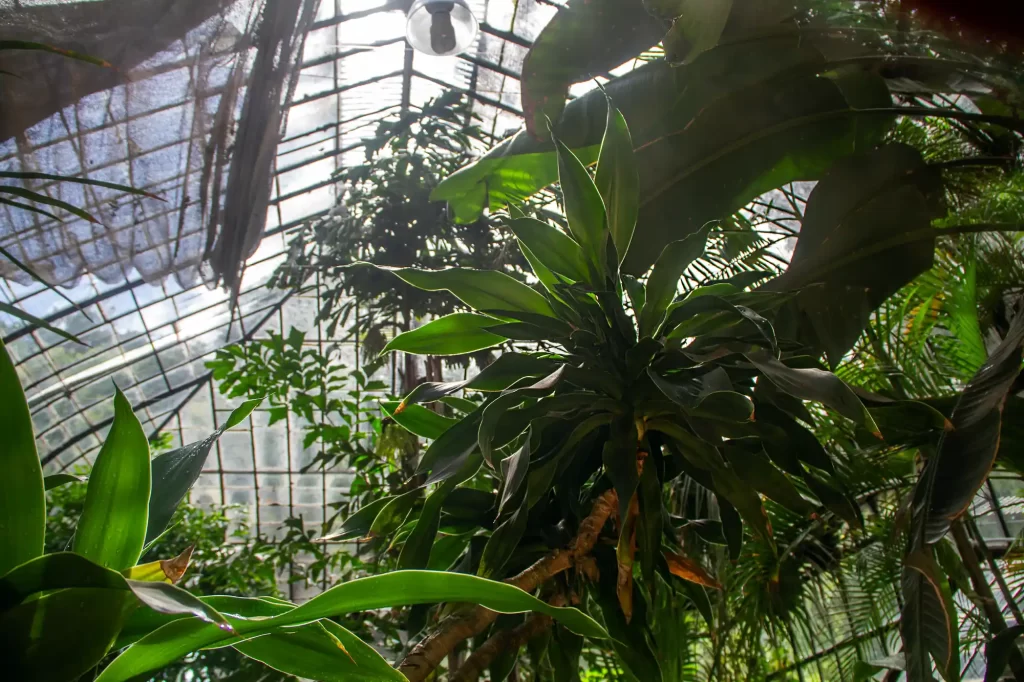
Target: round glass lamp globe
(440, 27)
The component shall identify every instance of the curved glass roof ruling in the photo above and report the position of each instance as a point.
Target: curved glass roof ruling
(163, 120)
(197, 89)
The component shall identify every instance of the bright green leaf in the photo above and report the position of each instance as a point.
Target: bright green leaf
(453, 334)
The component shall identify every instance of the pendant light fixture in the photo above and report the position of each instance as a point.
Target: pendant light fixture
(440, 27)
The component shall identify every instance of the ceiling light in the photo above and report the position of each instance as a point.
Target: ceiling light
(440, 27)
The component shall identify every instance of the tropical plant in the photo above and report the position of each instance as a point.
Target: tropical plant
(635, 385)
(385, 216)
(226, 558)
(62, 613)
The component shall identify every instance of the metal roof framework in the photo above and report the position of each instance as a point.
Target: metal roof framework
(152, 334)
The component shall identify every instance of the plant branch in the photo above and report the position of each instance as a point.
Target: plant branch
(505, 640)
(428, 654)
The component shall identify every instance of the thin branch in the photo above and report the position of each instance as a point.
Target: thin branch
(505, 640)
(428, 654)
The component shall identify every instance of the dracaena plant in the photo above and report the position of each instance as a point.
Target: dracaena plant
(62, 613)
(624, 385)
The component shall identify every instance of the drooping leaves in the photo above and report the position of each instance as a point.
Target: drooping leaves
(967, 452)
(399, 588)
(928, 622)
(997, 652)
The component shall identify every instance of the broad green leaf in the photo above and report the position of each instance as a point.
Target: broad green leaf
(698, 29)
(479, 289)
(664, 279)
(817, 385)
(62, 635)
(323, 651)
(617, 180)
(454, 445)
(491, 416)
(584, 210)
(553, 248)
(787, 442)
(112, 529)
(358, 524)
(38, 322)
(715, 316)
(503, 542)
(416, 550)
(997, 652)
(57, 480)
(746, 502)
(834, 500)
(394, 513)
(22, 499)
(175, 472)
(650, 520)
(453, 334)
(928, 621)
(967, 452)
(586, 38)
(400, 588)
(418, 420)
(755, 468)
(73, 572)
(515, 476)
(710, 136)
(543, 272)
(868, 197)
(619, 458)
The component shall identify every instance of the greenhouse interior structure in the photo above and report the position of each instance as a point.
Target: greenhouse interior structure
(527, 340)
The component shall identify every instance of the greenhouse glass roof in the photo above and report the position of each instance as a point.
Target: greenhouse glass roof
(148, 302)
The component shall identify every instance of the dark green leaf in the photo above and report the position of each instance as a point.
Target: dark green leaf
(174, 473)
(585, 39)
(732, 526)
(584, 209)
(503, 542)
(418, 420)
(454, 445)
(834, 500)
(552, 247)
(565, 653)
(322, 651)
(399, 588)
(518, 465)
(61, 635)
(394, 513)
(497, 376)
(22, 500)
(416, 550)
(57, 480)
(453, 334)
(698, 29)
(967, 452)
(649, 524)
(617, 180)
(815, 384)
(358, 524)
(664, 279)
(755, 468)
(479, 289)
(997, 652)
(928, 622)
(112, 529)
(619, 458)
(881, 194)
(709, 314)
(787, 442)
